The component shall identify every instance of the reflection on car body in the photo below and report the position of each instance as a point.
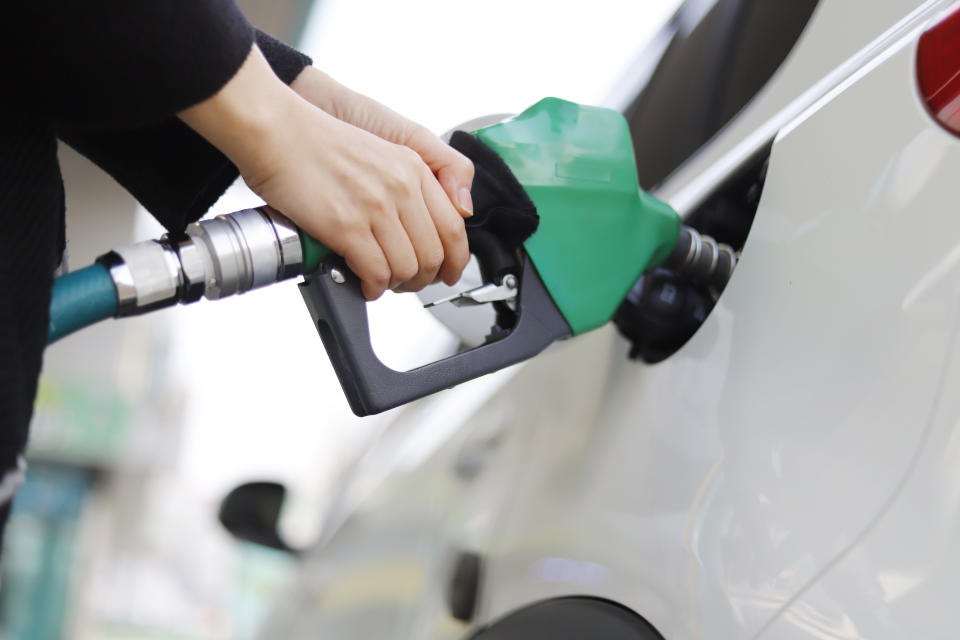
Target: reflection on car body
(789, 471)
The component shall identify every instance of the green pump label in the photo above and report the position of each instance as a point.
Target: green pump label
(599, 232)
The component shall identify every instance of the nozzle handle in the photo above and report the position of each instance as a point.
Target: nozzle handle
(336, 304)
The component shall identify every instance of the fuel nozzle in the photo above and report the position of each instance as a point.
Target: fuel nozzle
(701, 260)
(215, 258)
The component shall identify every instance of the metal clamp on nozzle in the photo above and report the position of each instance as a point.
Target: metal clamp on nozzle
(216, 258)
(241, 251)
(701, 259)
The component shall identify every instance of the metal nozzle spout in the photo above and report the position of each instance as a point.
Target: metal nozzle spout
(701, 259)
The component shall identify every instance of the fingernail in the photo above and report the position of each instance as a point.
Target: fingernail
(466, 201)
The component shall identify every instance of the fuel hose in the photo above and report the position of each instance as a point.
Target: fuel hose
(79, 299)
(235, 253)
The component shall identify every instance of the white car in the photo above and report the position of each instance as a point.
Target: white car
(793, 470)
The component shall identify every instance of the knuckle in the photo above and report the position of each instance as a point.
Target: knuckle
(357, 229)
(391, 174)
(424, 172)
(367, 196)
(376, 203)
(378, 275)
(453, 233)
(416, 168)
(411, 157)
(401, 184)
(406, 271)
(352, 233)
(380, 282)
(422, 133)
(460, 261)
(339, 221)
(432, 260)
(457, 233)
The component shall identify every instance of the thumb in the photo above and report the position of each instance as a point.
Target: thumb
(453, 170)
(456, 182)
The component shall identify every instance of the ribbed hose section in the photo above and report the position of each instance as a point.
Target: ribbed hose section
(79, 299)
(701, 259)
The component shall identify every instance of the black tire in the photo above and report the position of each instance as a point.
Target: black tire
(575, 618)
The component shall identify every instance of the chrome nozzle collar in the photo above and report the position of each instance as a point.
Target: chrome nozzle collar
(216, 258)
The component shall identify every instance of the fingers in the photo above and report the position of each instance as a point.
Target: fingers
(457, 187)
(450, 228)
(403, 260)
(434, 228)
(454, 170)
(367, 260)
(420, 228)
(410, 251)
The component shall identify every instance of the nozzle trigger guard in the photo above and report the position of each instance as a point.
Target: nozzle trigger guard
(333, 296)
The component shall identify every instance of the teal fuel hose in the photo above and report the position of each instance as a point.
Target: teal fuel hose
(79, 299)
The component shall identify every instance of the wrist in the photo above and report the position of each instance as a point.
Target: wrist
(245, 113)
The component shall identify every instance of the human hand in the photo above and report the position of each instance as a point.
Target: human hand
(453, 170)
(374, 202)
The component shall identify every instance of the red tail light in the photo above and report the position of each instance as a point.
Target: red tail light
(938, 70)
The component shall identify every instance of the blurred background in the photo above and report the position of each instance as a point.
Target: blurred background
(143, 426)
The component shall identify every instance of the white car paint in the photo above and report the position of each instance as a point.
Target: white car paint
(791, 473)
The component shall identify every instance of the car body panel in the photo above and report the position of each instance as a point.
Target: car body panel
(841, 37)
(774, 477)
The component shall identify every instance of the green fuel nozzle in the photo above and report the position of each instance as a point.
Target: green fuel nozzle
(313, 252)
(597, 234)
(598, 231)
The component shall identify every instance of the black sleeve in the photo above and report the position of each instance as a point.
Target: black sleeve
(170, 169)
(119, 63)
(286, 62)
